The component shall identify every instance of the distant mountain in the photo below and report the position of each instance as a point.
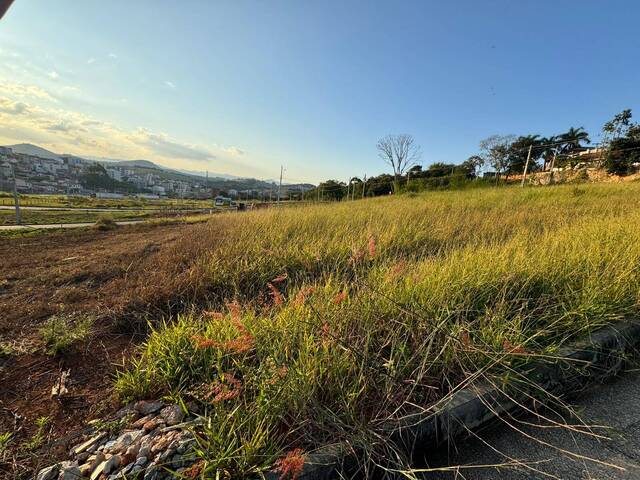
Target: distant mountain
(29, 149)
(134, 163)
(155, 166)
(232, 181)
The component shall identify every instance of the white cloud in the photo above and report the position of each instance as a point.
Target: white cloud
(164, 146)
(19, 90)
(53, 74)
(71, 131)
(91, 60)
(11, 107)
(234, 151)
(170, 84)
(112, 55)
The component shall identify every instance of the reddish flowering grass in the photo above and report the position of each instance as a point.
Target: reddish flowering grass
(194, 470)
(372, 247)
(202, 342)
(214, 315)
(290, 466)
(397, 269)
(235, 309)
(465, 339)
(511, 348)
(275, 294)
(280, 278)
(241, 344)
(340, 297)
(278, 374)
(302, 295)
(227, 389)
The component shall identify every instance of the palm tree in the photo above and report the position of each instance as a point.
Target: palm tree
(572, 139)
(547, 149)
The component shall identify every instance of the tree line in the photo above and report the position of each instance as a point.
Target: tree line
(498, 158)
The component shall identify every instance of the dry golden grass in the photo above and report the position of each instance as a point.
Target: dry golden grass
(348, 315)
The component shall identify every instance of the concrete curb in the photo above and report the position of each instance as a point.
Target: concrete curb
(595, 358)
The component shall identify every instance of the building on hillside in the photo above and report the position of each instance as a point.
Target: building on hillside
(115, 174)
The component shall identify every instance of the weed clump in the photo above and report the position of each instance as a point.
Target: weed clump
(104, 224)
(60, 332)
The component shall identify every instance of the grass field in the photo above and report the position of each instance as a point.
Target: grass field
(75, 201)
(40, 217)
(313, 325)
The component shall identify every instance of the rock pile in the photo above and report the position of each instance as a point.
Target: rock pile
(155, 444)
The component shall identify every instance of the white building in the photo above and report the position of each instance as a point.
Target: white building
(115, 173)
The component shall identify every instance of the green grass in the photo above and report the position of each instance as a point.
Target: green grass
(71, 201)
(350, 315)
(60, 332)
(40, 217)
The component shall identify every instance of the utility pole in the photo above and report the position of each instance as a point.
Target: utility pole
(553, 163)
(526, 166)
(364, 185)
(16, 199)
(280, 186)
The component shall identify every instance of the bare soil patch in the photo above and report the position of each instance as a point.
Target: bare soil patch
(119, 277)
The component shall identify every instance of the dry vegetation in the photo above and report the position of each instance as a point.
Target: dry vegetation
(299, 327)
(325, 323)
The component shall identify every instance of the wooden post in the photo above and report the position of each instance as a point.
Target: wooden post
(16, 199)
(526, 166)
(553, 162)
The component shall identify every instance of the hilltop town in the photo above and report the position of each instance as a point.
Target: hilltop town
(43, 172)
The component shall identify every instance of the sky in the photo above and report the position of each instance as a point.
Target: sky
(243, 87)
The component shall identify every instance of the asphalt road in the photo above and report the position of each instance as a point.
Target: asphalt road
(615, 405)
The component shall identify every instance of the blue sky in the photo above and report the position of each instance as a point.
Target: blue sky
(241, 87)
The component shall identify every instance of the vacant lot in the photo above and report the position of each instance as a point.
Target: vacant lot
(303, 326)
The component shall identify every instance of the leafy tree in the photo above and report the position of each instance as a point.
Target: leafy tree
(333, 190)
(380, 185)
(617, 127)
(495, 150)
(439, 169)
(472, 165)
(624, 152)
(519, 151)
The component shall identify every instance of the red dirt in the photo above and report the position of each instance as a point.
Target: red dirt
(107, 274)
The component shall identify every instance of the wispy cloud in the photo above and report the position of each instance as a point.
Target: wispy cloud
(12, 108)
(26, 114)
(19, 90)
(53, 74)
(91, 60)
(112, 55)
(161, 144)
(170, 84)
(234, 151)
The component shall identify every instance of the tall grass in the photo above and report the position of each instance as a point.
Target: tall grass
(326, 322)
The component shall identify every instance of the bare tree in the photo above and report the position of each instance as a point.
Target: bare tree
(400, 152)
(495, 151)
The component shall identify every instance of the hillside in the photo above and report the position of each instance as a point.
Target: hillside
(29, 149)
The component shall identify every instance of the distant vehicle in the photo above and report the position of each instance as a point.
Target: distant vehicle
(221, 201)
